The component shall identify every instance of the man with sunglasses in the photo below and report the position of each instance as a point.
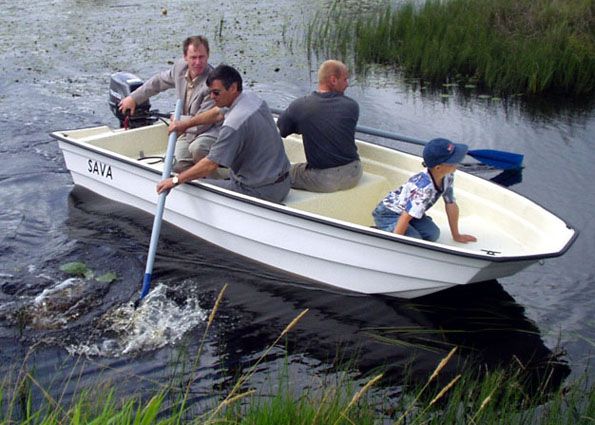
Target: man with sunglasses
(188, 76)
(248, 144)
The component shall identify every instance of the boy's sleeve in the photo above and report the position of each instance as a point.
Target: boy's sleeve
(449, 194)
(417, 199)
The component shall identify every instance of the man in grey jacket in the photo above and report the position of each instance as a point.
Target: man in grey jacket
(249, 143)
(188, 76)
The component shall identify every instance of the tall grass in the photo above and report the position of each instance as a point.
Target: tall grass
(509, 46)
(495, 397)
(472, 396)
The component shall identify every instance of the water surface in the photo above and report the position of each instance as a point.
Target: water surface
(57, 57)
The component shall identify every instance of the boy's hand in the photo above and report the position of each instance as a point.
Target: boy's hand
(465, 238)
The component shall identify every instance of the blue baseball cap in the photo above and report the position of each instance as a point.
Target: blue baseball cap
(443, 151)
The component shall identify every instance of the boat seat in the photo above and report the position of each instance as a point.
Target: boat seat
(354, 205)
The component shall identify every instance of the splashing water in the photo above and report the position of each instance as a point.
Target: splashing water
(157, 322)
(58, 306)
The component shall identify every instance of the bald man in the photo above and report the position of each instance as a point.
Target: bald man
(326, 119)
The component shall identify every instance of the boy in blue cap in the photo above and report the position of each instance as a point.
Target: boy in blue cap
(403, 211)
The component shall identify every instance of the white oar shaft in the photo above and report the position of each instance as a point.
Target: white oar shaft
(169, 157)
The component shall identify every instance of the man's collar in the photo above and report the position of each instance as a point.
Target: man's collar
(190, 79)
(236, 100)
(204, 74)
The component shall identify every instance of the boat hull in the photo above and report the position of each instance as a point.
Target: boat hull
(344, 255)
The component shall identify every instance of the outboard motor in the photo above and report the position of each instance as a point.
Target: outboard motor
(121, 85)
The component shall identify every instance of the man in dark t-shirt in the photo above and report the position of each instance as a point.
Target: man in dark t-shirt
(326, 119)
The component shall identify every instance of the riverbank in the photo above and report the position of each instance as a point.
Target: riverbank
(451, 393)
(504, 46)
(487, 397)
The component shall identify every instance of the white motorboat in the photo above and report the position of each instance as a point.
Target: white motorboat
(327, 237)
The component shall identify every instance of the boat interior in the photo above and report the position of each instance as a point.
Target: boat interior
(504, 222)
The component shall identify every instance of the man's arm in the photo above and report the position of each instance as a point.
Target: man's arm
(206, 104)
(202, 168)
(285, 123)
(127, 104)
(156, 84)
(211, 116)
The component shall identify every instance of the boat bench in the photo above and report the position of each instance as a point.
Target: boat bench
(354, 205)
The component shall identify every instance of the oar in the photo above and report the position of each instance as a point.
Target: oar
(494, 158)
(171, 145)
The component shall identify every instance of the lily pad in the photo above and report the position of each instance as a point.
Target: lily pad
(77, 268)
(108, 277)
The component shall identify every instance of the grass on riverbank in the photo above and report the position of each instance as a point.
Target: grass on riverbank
(472, 396)
(508, 46)
(493, 398)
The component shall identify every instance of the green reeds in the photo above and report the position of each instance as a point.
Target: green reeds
(508, 46)
(472, 396)
(329, 406)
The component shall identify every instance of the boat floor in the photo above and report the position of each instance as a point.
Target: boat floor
(355, 206)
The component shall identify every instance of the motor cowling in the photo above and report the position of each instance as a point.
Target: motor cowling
(121, 85)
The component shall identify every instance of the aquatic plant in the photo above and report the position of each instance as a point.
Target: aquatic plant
(507, 46)
(80, 269)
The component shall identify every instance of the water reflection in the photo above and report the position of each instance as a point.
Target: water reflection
(544, 107)
(508, 178)
(403, 337)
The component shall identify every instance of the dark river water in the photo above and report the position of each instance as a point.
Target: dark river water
(71, 333)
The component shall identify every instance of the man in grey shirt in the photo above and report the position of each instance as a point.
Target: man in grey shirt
(248, 144)
(188, 76)
(326, 119)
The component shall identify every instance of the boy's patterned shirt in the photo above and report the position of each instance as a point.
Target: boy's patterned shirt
(418, 194)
